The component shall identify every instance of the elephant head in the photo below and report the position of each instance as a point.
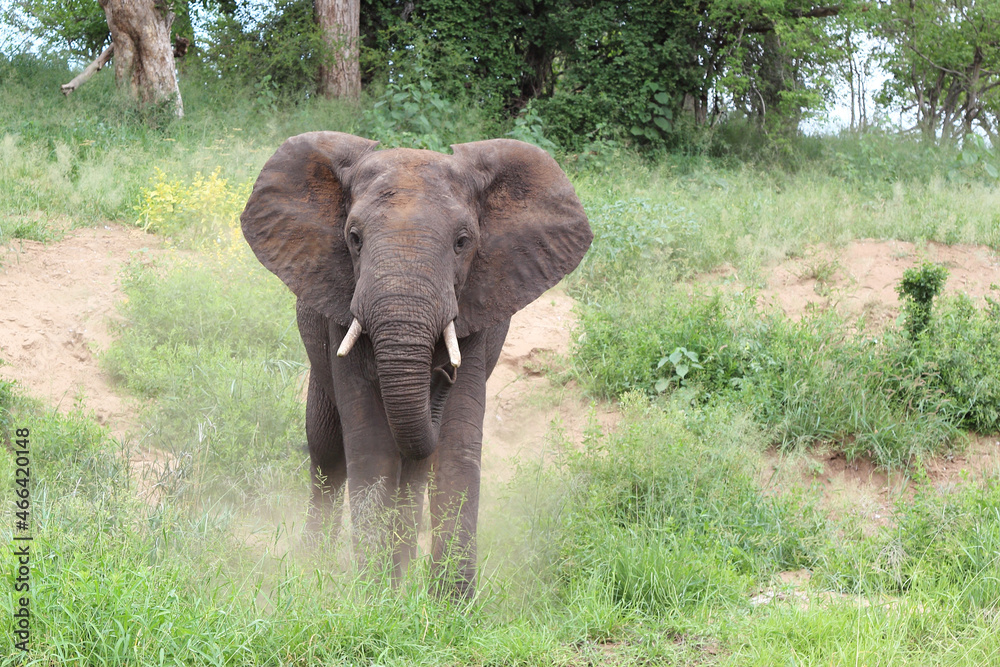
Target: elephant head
(412, 246)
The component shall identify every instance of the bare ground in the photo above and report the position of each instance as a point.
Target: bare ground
(55, 304)
(860, 277)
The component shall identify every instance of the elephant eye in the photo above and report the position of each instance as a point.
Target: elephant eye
(355, 240)
(461, 243)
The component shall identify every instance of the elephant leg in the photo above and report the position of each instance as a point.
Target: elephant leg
(454, 498)
(409, 506)
(454, 507)
(373, 473)
(328, 465)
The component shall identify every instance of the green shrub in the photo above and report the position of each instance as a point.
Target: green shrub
(411, 114)
(917, 289)
(283, 45)
(807, 380)
(959, 356)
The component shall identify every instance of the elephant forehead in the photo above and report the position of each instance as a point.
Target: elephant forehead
(410, 185)
(409, 169)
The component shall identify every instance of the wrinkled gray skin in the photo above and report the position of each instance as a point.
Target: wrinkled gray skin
(406, 242)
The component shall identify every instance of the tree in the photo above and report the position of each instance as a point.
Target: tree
(139, 34)
(944, 60)
(143, 55)
(339, 71)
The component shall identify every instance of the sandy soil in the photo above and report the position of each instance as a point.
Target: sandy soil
(860, 278)
(55, 304)
(522, 405)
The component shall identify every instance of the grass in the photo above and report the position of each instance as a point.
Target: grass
(644, 546)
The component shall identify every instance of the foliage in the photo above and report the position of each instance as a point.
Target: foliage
(206, 208)
(803, 380)
(656, 120)
(278, 51)
(682, 361)
(528, 126)
(957, 355)
(976, 158)
(497, 54)
(411, 114)
(79, 26)
(943, 60)
(917, 289)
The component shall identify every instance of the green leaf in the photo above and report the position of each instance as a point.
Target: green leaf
(991, 170)
(662, 123)
(661, 385)
(677, 355)
(662, 362)
(682, 370)
(662, 98)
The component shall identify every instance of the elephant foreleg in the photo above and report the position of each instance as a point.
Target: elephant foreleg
(328, 465)
(410, 504)
(454, 496)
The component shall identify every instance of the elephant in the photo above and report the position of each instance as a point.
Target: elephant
(407, 266)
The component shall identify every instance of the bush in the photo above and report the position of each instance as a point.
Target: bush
(917, 289)
(807, 380)
(959, 356)
(283, 47)
(206, 209)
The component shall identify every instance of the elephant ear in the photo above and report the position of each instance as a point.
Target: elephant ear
(533, 229)
(295, 217)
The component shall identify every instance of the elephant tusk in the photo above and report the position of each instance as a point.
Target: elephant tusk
(350, 338)
(451, 342)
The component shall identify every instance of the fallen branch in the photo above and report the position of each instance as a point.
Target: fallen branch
(92, 69)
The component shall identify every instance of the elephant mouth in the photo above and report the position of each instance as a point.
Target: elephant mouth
(442, 379)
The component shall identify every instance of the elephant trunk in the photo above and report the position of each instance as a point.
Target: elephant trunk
(413, 393)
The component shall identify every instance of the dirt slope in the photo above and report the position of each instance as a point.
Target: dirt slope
(55, 303)
(861, 277)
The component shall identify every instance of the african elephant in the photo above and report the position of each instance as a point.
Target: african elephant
(407, 265)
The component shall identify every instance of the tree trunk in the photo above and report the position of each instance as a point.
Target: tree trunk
(144, 57)
(339, 73)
